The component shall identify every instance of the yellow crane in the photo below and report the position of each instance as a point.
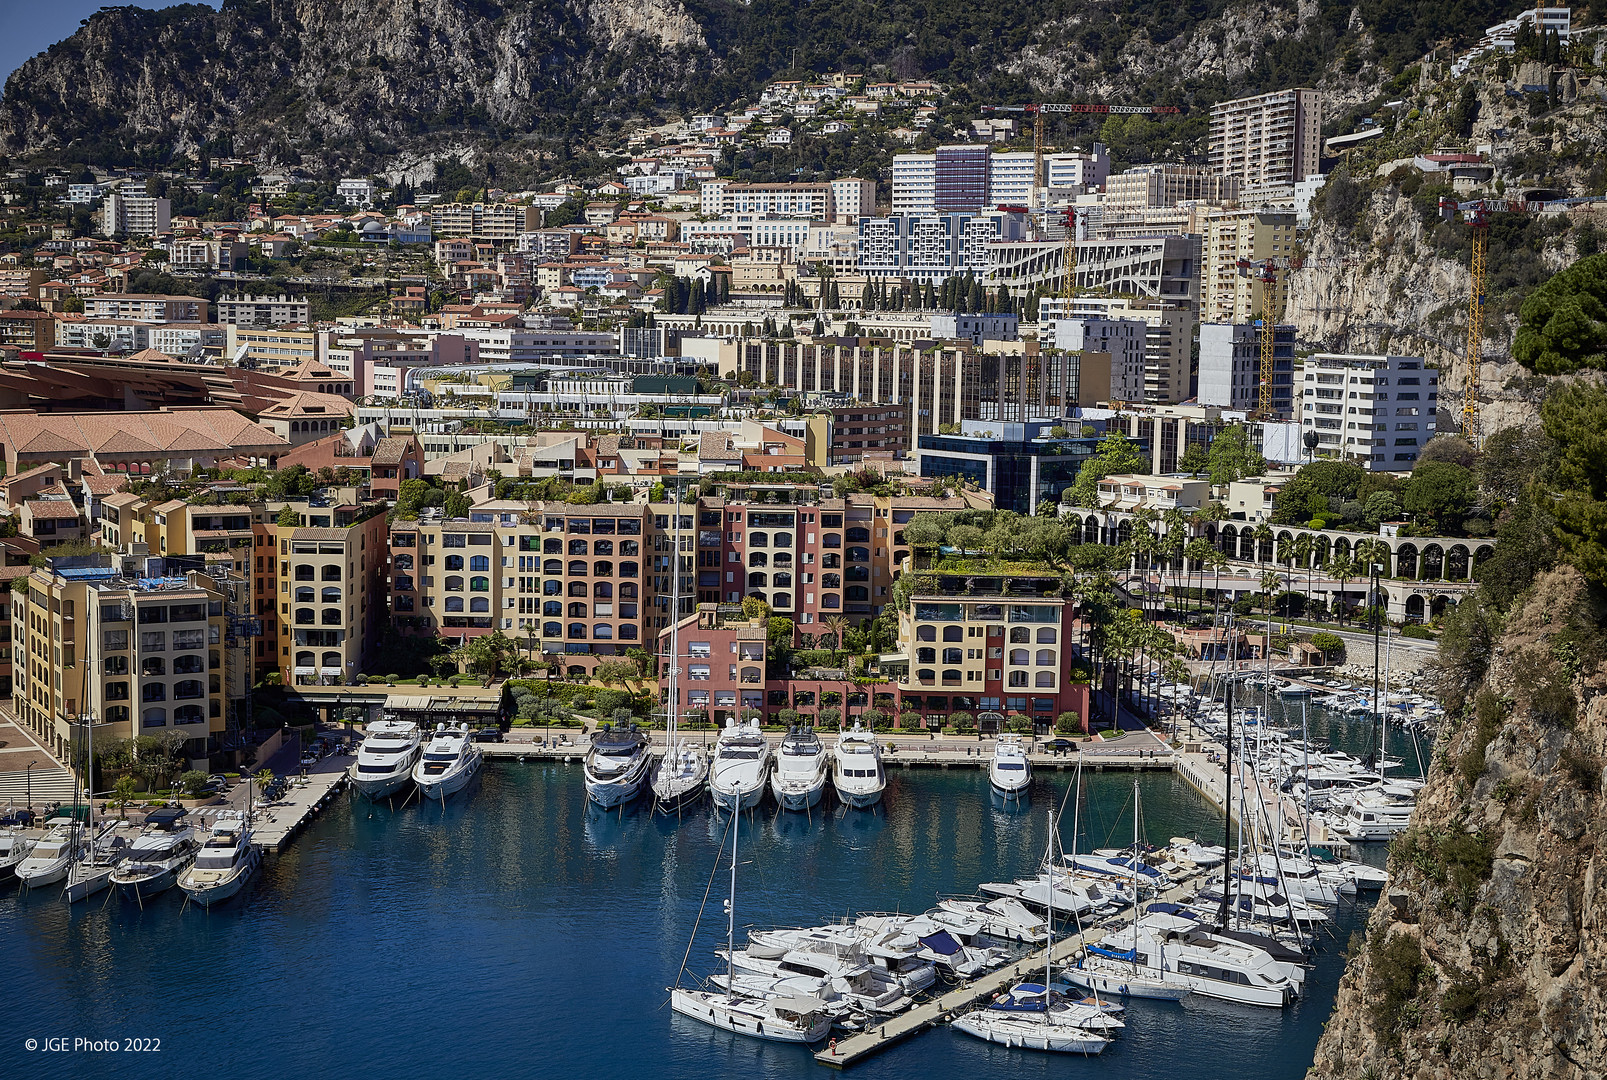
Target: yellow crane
(1477, 214)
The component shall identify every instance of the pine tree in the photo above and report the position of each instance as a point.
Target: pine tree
(974, 298)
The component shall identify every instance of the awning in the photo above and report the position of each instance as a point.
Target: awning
(306, 671)
(329, 671)
(941, 943)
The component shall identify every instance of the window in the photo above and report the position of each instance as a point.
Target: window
(578, 547)
(552, 607)
(602, 632)
(479, 584)
(153, 718)
(954, 633)
(1046, 635)
(189, 665)
(454, 603)
(835, 581)
(1044, 678)
(1046, 658)
(453, 584)
(553, 566)
(552, 587)
(925, 656)
(331, 594)
(479, 603)
(1018, 678)
(758, 558)
(115, 640)
(577, 610)
(1020, 656)
(187, 688)
(304, 594)
(603, 547)
(758, 539)
(577, 631)
(188, 714)
(603, 568)
(153, 692)
(153, 640)
(454, 562)
(952, 656)
(189, 639)
(330, 617)
(578, 568)
(782, 581)
(480, 563)
(330, 573)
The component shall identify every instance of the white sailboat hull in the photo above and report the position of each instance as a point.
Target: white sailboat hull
(1030, 1034)
(742, 1017)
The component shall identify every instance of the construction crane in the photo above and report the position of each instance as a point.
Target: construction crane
(1266, 272)
(1037, 111)
(1068, 285)
(1477, 214)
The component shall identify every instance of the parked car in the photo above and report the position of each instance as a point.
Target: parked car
(488, 734)
(17, 819)
(309, 758)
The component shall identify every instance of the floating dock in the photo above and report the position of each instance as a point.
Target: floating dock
(857, 1047)
(274, 825)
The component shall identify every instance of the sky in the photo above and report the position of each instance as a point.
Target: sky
(28, 27)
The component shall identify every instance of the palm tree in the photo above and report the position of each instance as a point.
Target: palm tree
(1270, 580)
(1198, 552)
(836, 626)
(1368, 554)
(1263, 534)
(1341, 568)
(1177, 527)
(1301, 550)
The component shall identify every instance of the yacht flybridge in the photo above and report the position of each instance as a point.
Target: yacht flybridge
(617, 765)
(802, 768)
(386, 758)
(448, 763)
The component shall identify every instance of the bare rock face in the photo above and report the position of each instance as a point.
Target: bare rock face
(1491, 959)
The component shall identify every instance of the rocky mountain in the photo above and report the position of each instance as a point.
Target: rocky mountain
(1488, 957)
(362, 81)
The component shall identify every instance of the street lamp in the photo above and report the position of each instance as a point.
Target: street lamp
(29, 771)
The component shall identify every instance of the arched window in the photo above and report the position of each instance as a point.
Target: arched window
(831, 560)
(331, 660)
(925, 656)
(758, 580)
(627, 569)
(330, 573)
(857, 535)
(454, 562)
(782, 580)
(782, 539)
(758, 558)
(953, 656)
(627, 590)
(954, 633)
(552, 587)
(153, 665)
(1044, 679)
(304, 594)
(952, 675)
(332, 594)
(758, 539)
(153, 718)
(603, 569)
(577, 611)
(403, 562)
(304, 659)
(454, 603)
(1046, 635)
(1018, 678)
(858, 554)
(578, 588)
(304, 573)
(835, 581)
(602, 590)
(552, 607)
(188, 714)
(117, 714)
(925, 675)
(552, 546)
(479, 603)
(553, 566)
(188, 688)
(479, 584)
(479, 563)
(831, 600)
(192, 664)
(453, 584)
(926, 632)
(578, 568)
(780, 599)
(630, 547)
(552, 629)
(577, 547)
(1046, 658)
(304, 617)
(858, 573)
(153, 692)
(602, 547)
(1020, 635)
(602, 632)
(577, 631)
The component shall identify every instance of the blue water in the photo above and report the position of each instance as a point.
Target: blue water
(519, 934)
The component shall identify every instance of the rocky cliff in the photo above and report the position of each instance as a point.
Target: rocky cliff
(1488, 957)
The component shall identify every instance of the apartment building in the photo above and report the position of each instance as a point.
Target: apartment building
(851, 199)
(1230, 367)
(1231, 292)
(278, 310)
(1124, 340)
(357, 190)
(146, 307)
(123, 214)
(1159, 267)
(332, 589)
(1267, 139)
(725, 198)
(1127, 492)
(137, 644)
(1167, 430)
(1021, 464)
(1378, 411)
(934, 247)
(914, 184)
(28, 331)
(496, 223)
(1168, 337)
(208, 253)
(1146, 187)
(269, 347)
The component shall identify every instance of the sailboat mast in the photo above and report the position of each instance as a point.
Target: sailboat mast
(1049, 953)
(1227, 814)
(675, 630)
(731, 917)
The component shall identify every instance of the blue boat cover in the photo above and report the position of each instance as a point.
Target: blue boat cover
(941, 943)
(1162, 908)
(1114, 954)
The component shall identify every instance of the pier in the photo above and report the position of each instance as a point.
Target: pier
(274, 825)
(864, 1044)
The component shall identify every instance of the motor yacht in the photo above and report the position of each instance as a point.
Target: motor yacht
(741, 766)
(224, 863)
(14, 847)
(857, 772)
(617, 764)
(1211, 966)
(778, 1019)
(158, 855)
(1010, 771)
(386, 758)
(1104, 974)
(450, 760)
(802, 766)
(50, 858)
(1004, 918)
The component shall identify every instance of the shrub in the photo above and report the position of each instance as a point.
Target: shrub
(1018, 724)
(909, 720)
(1488, 714)
(1396, 971)
(375, 680)
(192, 782)
(1582, 767)
(1418, 631)
(962, 722)
(1068, 723)
(1332, 646)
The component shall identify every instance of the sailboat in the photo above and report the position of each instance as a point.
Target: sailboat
(797, 1018)
(1109, 971)
(1035, 1028)
(683, 772)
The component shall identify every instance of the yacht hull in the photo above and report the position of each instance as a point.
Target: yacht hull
(745, 799)
(1132, 985)
(443, 787)
(47, 874)
(144, 888)
(210, 893)
(377, 789)
(796, 799)
(1030, 1035)
(718, 1011)
(859, 800)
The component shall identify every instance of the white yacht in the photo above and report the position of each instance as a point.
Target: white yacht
(856, 771)
(741, 766)
(14, 847)
(1010, 771)
(386, 758)
(450, 760)
(47, 863)
(617, 764)
(1030, 1032)
(1371, 818)
(1005, 918)
(225, 862)
(157, 857)
(802, 766)
(1212, 966)
(681, 776)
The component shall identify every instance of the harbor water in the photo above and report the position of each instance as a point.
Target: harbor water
(519, 933)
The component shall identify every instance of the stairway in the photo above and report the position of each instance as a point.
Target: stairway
(48, 786)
